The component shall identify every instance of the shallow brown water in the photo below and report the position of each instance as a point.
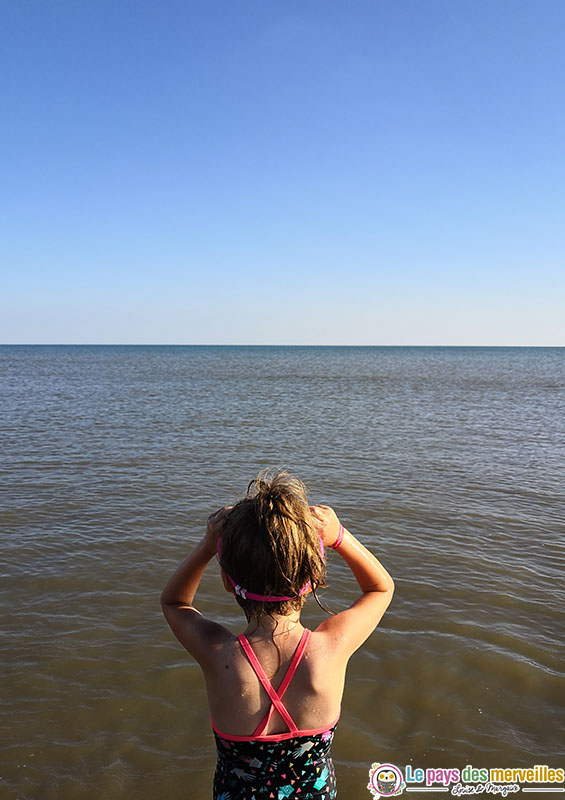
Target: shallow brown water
(447, 462)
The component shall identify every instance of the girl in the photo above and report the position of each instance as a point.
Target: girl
(271, 547)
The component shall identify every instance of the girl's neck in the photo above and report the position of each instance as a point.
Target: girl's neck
(277, 625)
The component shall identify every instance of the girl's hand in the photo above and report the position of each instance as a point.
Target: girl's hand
(328, 527)
(215, 527)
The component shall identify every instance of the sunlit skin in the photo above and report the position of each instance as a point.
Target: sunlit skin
(237, 700)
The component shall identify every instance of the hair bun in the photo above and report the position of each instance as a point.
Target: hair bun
(264, 485)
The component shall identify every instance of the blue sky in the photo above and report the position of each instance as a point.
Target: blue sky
(268, 172)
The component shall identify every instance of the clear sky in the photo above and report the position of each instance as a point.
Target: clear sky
(283, 172)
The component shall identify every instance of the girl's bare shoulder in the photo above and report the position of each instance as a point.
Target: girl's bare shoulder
(325, 650)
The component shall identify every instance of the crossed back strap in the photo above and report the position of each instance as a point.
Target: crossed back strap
(276, 696)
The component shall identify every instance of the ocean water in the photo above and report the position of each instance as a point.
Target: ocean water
(449, 463)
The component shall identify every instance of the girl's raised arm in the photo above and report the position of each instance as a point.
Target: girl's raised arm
(350, 628)
(195, 632)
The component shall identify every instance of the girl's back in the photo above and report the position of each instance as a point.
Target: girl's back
(275, 690)
(238, 701)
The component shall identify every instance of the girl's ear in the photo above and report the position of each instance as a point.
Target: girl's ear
(227, 585)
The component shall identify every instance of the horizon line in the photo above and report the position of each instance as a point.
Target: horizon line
(247, 344)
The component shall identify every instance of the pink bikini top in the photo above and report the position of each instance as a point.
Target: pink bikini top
(276, 698)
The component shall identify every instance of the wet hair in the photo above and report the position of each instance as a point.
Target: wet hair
(270, 545)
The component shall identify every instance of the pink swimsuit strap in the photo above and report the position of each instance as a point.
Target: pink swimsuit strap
(276, 696)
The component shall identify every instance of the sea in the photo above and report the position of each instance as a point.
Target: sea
(448, 463)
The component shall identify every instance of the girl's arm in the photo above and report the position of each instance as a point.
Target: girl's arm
(182, 586)
(350, 628)
(195, 632)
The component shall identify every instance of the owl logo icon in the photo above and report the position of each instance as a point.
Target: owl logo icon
(385, 780)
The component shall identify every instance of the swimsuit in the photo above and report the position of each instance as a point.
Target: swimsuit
(283, 766)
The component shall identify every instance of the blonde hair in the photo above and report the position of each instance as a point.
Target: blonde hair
(270, 544)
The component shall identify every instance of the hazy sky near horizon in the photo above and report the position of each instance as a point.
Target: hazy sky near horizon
(298, 172)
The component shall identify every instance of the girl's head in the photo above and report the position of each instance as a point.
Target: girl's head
(270, 545)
